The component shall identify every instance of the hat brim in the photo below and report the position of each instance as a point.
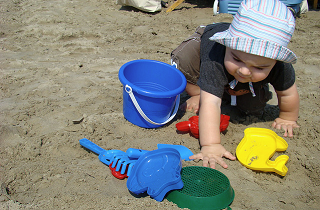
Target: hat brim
(258, 47)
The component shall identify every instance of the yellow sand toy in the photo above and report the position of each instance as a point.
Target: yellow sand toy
(258, 146)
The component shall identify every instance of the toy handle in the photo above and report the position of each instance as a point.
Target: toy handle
(135, 153)
(91, 146)
(183, 126)
(215, 7)
(128, 89)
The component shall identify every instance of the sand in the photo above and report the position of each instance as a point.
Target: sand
(59, 65)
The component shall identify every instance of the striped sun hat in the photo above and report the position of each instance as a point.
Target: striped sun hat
(261, 27)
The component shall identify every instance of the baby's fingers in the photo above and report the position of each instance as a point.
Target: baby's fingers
(228, 155)
(290, 131)
(276, 125)
(196, 156)
(206, 161)
(290, 128)
(221, 162)
(285, 128)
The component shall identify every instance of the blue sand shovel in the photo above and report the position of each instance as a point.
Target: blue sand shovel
(117, 158)
(184, 152)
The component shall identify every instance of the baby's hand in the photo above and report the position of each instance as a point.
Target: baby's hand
(191, 105)
(213, 154)
(286, 125)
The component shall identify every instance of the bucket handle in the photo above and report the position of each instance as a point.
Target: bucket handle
(129, 91)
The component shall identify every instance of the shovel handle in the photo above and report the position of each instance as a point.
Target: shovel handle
(135, 153)
(91, 146)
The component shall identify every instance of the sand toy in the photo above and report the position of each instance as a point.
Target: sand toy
(118, 161)
(192, 125)
(258, 146)
(203, 188)
(184, 152)
(156, 172)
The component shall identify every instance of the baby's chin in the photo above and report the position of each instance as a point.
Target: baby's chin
(243, 80)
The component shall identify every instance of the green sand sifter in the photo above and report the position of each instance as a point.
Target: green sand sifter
(204, 188)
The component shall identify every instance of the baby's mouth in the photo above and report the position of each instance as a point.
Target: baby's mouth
(243, 77)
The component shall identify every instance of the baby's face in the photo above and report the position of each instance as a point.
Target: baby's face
(247, 67)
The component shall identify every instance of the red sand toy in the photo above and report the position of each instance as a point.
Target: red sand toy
(192, 125)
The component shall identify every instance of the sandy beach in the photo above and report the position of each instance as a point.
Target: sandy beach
(59, 63)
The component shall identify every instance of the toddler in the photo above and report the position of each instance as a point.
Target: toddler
(237, 61)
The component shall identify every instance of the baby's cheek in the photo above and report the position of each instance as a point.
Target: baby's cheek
(259, 76)
(230, 67)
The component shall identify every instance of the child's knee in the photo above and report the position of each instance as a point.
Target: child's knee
(186, 57)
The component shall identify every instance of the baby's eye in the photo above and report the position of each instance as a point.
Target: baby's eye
(259, 68)
(236, 59)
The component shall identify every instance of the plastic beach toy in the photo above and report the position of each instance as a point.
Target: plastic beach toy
(151, 92)
(118, 161)
(185, 153)
(192, 125)
(156, 172)
(258, 146)
(204, 188)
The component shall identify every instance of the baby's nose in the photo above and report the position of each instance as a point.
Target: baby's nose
(245, 71)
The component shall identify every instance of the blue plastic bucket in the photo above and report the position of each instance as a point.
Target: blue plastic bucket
(151, 92)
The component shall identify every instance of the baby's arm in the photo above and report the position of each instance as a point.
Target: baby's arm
(209, 127)
(288, 101)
